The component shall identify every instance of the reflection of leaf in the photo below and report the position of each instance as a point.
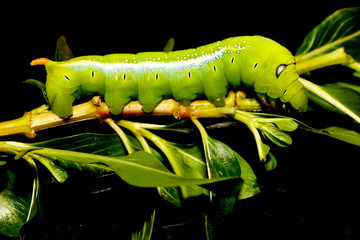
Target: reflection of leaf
(342, 28)
(345, 99)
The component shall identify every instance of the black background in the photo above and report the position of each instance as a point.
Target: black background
(310, 195)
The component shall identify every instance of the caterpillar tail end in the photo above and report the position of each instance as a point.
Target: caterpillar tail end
(39, 61)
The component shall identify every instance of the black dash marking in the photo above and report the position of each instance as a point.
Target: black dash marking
(67, 77)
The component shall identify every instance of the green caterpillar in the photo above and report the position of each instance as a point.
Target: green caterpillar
(185, 75)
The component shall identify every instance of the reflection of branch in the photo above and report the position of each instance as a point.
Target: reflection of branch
(338, 56)
(40, 118)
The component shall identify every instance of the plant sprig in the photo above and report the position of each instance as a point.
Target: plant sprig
(180, 171)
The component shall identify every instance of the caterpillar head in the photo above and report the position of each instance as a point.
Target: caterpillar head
(273, 72)
(288, 88)
(61, 86)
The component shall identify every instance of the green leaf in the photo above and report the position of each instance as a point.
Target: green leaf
(102, 144)
(58, 173)
(187, 161)
(348, 85)
(348, 94)
(15, 203)
(345, 99)
(270, 163)
(286, 124)
(41, 86)
(250, 185)
(282, 122)
(343, 134)
(276, 136)
(171, 195)
(225, 161)
(338, 30)
(62, 52)
(263, 149)
(169, 45)
(336, 40)
(139, 168)
(146, 231)
(221, 162)
(323, 104)
(222, 159)
(273, 127)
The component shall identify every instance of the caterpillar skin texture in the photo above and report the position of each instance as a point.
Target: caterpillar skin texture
(185, 75)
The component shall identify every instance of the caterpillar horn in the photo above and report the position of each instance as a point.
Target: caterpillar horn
(39, 61)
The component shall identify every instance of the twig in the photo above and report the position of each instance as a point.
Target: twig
(41, 118)
(130, 149)
(338, 56)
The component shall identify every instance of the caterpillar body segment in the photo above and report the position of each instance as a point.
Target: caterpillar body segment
(210, 70)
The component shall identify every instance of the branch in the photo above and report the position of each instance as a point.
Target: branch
(41, 118)
(338, 56)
